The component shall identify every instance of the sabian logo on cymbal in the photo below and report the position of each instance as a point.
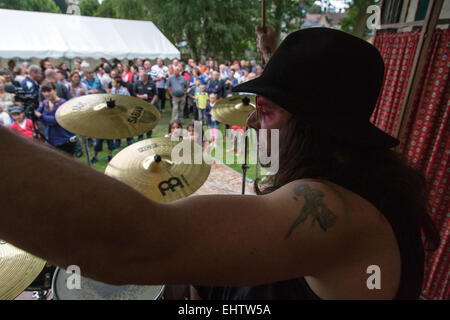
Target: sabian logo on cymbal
(147, 147)
(135, 115)
(79, 106)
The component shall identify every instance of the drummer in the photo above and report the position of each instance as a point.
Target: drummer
(341, 219)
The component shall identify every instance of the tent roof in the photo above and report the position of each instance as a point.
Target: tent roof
(27, 34)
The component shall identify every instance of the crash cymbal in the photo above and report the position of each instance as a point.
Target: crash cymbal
(234, 110)
(18, 270)
(106, 116)
(148, 167)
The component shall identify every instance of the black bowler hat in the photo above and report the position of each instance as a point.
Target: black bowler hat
(330, 79)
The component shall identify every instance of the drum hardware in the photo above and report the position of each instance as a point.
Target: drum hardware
(105, 116)
(18, 269)
(235, 111)
(95, 290)
(147, 167)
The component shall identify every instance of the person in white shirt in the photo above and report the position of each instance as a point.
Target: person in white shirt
(159, 74)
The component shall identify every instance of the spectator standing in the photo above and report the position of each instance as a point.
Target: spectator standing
(202, 99)
(127, 75)
(106, 80)
(177, 86)
(84, 66)
(259, 71)
(114, 74)
(215, 85)
(76, 87)
(175, 63)
(77, 65)
(92, 83)
(11, 68)
(159, 74)
(145, 89)
(230, 83)
(61, 90)
(6, 99)
(56, 135)
(206, 76)
(22, 73)
(118, 87)
(212, 123)
(10, 85)
(148, 67)
(61, 79)
(64, 70)
(224, 73)
(31, 83)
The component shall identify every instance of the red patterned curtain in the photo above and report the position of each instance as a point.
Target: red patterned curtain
(398, 50)
(426, 141)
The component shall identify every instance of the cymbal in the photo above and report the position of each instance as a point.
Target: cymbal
(18, 270)
(107, 116)
(234, 110)
(148, 167)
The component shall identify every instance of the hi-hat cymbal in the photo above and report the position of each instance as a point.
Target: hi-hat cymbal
(18, 270)
(148, 167)
(234, 110)
(106, 116)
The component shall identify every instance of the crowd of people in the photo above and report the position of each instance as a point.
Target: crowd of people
(30, 94)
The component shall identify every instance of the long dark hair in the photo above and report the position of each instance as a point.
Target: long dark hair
(379, 176)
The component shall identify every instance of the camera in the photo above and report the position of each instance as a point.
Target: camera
(30, 103)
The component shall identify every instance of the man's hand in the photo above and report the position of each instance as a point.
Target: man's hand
(37, 114)
(267, 42)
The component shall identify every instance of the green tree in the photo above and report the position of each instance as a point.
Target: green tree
(123, 9)
(31, 5)
(88, 7)
(61, 5)
(356, 21)
(222, 28)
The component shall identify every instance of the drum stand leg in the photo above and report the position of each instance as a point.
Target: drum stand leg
(86, 151)
(245, 165)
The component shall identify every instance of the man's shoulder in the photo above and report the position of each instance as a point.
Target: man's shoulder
(314, 189)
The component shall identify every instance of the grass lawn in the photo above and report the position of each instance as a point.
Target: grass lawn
(160, 131)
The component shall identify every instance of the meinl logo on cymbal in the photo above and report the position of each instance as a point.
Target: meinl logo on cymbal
(136, 115)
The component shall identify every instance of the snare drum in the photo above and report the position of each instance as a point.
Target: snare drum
(94, 290)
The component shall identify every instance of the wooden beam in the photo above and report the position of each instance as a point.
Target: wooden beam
(401, 25)
(443, 21)
(426, 36)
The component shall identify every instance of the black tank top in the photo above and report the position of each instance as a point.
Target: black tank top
(412, 258)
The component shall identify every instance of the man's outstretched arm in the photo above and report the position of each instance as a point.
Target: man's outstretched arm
(69, 214)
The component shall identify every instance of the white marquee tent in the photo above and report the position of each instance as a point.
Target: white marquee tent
(26, 35)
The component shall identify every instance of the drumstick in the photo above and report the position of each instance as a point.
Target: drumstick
(263, 17)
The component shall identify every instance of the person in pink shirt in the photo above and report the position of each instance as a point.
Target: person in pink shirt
(127, 75)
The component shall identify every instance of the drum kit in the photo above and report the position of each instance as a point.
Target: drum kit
(146, 166)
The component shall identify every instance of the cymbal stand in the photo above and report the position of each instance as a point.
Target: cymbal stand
(245, 166)
(86, 151)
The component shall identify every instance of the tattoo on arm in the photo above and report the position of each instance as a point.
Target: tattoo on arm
(314, 207)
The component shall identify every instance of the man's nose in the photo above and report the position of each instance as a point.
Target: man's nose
(252, 121)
